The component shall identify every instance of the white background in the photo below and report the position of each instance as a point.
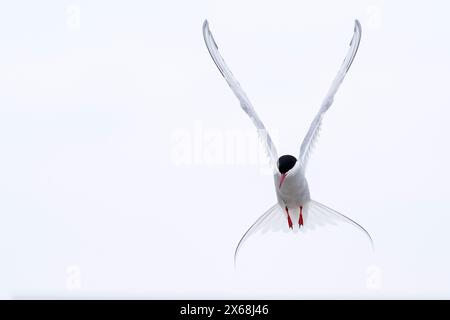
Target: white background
(115, 123)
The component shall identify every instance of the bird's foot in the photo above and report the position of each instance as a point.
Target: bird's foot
(290, 223)
(289, 219)
(300, 218)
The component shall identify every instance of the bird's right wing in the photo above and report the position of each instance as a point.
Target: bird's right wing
(240, 94)
(313, 132)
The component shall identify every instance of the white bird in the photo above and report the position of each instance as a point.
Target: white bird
(291, 186)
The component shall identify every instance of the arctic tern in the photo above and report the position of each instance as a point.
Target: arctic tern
(294, 202)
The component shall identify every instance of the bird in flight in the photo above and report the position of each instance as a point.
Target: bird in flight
(294, 210)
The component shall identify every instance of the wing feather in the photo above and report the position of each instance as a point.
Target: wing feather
(240, 94)
(313, 132)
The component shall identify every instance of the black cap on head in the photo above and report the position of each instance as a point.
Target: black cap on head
(286, 163)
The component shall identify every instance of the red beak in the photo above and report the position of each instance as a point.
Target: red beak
(283, 176)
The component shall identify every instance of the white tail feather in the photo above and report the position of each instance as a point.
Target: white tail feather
(314, 213)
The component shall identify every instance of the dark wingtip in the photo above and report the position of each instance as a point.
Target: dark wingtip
(205, 27)
(357, 25)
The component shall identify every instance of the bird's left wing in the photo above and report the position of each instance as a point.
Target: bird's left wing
(313, 132)
(240, 94)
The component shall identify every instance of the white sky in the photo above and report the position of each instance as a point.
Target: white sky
(98, 98)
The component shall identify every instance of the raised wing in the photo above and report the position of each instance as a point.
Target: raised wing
(313, 132)
(240, 94)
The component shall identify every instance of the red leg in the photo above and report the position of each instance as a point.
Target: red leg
(300, 218)
(289, 218)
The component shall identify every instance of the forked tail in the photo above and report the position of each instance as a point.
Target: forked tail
(315, 215)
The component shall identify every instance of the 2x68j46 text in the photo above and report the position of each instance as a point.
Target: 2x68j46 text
(246, 309)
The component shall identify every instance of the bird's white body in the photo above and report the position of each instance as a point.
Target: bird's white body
(294, 192)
